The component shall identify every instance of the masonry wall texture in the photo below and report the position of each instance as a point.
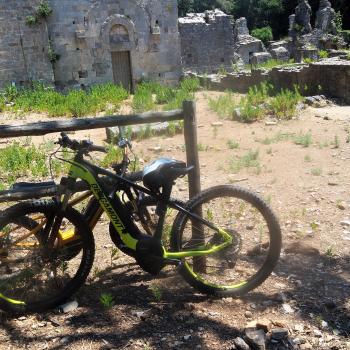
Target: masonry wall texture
(332, 76)
(207, 41)
(86, 34)
(23, 48)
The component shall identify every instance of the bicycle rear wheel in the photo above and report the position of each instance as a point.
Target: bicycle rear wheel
(247, 261)
(30, 279)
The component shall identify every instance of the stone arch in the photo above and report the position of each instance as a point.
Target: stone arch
(114, 32)
(118, 34)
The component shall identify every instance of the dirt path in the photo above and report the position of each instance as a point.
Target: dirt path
(308, 187)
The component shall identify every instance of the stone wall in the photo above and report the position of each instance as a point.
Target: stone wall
(207, 41)
(85, 34)
(330, 77)
(23, 48)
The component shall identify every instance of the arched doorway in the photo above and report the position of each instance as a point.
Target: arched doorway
(119, 41)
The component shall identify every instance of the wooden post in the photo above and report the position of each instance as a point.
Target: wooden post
(194, 178)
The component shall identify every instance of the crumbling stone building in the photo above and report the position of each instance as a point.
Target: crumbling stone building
(213, 39)
(124, 41)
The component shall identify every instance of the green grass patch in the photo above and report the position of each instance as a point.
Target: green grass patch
(249, 160)
(224, 105)
(270, 64)
(76, 103)
(20, 160)
(284, 104)
(304, 140)
(232, 144)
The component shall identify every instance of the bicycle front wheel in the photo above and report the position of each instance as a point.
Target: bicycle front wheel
(31, 280)
(247, 261)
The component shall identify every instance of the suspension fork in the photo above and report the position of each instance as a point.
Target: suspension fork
(55, 221)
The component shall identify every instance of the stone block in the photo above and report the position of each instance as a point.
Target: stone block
(260, 57)
(280, 54)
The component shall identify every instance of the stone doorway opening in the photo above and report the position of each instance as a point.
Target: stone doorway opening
(121, 63)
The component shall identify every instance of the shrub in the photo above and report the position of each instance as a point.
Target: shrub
(44, 10)
(339, 21)
(190, 84)
(143, 99)
(11, 92)
(284, 104)
(31, 20)
(259, 94)
(247, 113)
(249, 160)
(264, 34)
(77, 103)
(20, 160)
(223, 106)
(323, 54)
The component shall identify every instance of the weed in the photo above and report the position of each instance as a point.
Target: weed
(143, 99)
(107, 300)
(232, 144)
(270, 64)
(307, 158)
(304, 140)
(222, 71)
(247, 113)
(249, 160)
(259, 94)
(20, 160)
(284, 104)
(44, 10)
(308, 60)
(31, 20)
(76, 103)
(323, 54)
(156, 292)
(330, 252)
(114, 155)
(224, 105)
(114, 254)
(269, 151)
(316, 171)
(314, 226)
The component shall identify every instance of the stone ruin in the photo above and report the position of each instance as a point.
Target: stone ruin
(325, 18)
(127, 41)
(305, 40)
(214, 40)
(121, 41)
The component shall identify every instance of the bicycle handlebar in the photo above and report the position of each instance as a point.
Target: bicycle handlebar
(85, 146)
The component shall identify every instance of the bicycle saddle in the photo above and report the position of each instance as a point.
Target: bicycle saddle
(163, 172)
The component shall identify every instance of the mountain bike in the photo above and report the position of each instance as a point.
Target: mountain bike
(225, 241)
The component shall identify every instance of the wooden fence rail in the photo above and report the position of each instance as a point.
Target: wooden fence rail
(188, 114)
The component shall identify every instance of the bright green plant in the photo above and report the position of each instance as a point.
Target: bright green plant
(156, 292)
(264, 34)
(31, 20)
(247, 113)
(259, 94)
(284, 104)
(44, 10)
(114, 155)
(107, 300)
(323, 54)
(143, 99)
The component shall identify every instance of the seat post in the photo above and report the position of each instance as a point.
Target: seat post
(162, 210)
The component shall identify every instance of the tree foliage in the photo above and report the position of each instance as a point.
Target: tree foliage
(262, 13)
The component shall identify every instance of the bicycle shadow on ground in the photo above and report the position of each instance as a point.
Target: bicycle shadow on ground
(316, 287)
